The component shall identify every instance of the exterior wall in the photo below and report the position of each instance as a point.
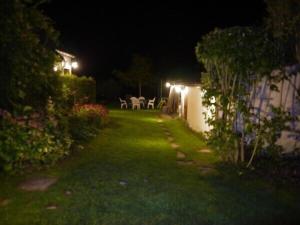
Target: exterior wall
(262, 100)
(286, 97)
(66, 63)
(191, 100)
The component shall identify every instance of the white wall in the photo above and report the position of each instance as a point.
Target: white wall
(262, 100)
(195, 110)
(285, 97)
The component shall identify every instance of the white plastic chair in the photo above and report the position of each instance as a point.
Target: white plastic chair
(123, 103)
(135, 103)
(142, 101)
(151, 103)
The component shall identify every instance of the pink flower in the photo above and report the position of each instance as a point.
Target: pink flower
(5, 114)
(35, 115)
(92, 108)
(35, 124)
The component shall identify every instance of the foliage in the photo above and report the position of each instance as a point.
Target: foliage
(235, 60)
(162, 103)
(86, 120)
(139, 73)
(283, 22)
(75, 90)
(32, 140)
(37, 132)
(41, 138)
(26, 58)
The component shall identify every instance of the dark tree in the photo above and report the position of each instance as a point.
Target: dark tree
(138, 74)
(27, 43)
(283, 22)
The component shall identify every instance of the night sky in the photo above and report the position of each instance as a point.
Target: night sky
(104, 37)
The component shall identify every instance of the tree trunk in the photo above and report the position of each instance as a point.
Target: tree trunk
(140, 88)
(259, 129)
(236, 152)
(242, 146)
(254, 150)
(297, 47)
(161, 88)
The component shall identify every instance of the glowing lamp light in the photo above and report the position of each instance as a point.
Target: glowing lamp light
(177, 88)
(185, 90)
(168, 85)
(75, 65)
(55, 68)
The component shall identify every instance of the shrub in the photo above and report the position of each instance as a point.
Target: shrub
(26, 59)
(31, 140)
(75, 90)
(86, 120)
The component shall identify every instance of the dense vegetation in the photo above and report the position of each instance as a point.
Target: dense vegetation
(42, 112)
(236, 60)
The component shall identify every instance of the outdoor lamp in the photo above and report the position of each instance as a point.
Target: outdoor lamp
(177, 88)
(75, 65)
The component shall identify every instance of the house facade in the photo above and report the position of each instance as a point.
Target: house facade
(187, 101)
(66, 63)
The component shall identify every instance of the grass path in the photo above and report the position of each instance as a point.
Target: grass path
(129, 175)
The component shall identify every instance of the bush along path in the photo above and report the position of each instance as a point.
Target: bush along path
(131, 174)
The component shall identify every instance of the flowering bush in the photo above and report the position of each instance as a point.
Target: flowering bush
(31, 140)
(74, 89)
(35, 138)
(92, 108)
(86, 120)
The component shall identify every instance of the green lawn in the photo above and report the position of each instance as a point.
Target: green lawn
(134, 149)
